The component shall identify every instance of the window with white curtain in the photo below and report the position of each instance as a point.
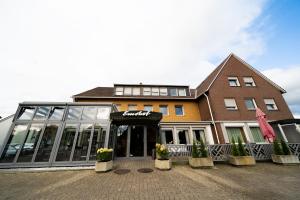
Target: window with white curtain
(249, 82)
(270, 103)
(127, 91)
(230, 104)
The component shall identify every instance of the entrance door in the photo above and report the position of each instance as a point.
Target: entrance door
(137, 141)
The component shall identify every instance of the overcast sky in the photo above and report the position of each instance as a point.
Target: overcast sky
(51, 50)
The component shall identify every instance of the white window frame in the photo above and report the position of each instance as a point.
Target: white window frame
(182, 90)
(166, 107)
(175, 90)
(253, 101)
(155, 91)
(127, 91)
(254, 125)
(136, 91)
(250, 80)
(131, 105)
(273, 103)
(181, 108)
(187, 135)
(235, 125)
(199, 129)
(234, 78)
(163, 135)
(163, 91)
(228, 107)
(146, 91)
(149, 106)
(119, 91)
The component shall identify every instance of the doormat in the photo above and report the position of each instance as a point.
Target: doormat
(145, 170)
(122, 171)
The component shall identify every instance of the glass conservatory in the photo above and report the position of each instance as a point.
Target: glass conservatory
(56, 134)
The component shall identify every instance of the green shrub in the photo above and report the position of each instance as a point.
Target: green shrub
(203, 150)
(285, 148)
(277, 148)
(195, 151)
(241, 148)
(235, 151)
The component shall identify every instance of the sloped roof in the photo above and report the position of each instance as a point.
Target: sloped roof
(207, 83)
(97, 91)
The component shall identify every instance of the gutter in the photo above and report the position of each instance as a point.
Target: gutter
(212, 117)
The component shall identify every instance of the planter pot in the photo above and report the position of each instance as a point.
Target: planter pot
(285, 159)
(103, 166)
(241, 160)
(163, 164)
(201, 162)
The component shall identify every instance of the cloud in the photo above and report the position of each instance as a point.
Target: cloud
(288, 78)
(50, 50)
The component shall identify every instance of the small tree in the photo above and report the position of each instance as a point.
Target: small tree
(241, 148)
(203, 150)
(276, 147)
(195, 151)
(235, 151)
(285, 148)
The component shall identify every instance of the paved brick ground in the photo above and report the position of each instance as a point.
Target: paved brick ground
(264, 181)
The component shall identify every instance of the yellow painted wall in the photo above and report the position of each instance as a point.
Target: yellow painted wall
(191, 109)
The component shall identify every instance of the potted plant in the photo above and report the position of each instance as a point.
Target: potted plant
(162, 160)
(282, 154)
(200, 156)
(104, 160)
(239, 155)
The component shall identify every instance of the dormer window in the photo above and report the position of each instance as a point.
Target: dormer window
(127, 91)
(173, 92)
(249, 82)
(136, 91)
(119, 91)
(233, 81)
(163, 91)
(181, 92)
(154, 91)
(147, 91)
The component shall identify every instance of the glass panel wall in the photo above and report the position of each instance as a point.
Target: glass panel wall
(56, 113)
(89, 113)
(42, 113)
(74, 113)
(121, 147)
(46, 144)
(66, 143)
(98, 140)
(30, 143)
(26, 113)
(14, 142)
(82, 142)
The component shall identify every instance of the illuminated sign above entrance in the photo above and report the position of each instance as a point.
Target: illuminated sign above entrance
(136, 113)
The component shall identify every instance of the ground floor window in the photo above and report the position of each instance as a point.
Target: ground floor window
(197, 134)
(183, 137)
(167, 137)
(257, 135)
(235, 133)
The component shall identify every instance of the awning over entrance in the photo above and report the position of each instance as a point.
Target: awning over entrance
(137, 117)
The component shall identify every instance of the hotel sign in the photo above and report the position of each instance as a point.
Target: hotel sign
(137, 113)
(136, 117)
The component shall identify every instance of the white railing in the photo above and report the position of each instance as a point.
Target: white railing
(220, 152)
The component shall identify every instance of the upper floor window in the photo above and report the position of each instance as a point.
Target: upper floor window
(173, 92)
(119, 90)
(136, 91)
(179, 110)
(230, 104)
(233, 81)
(148, 107)
(163, 91)
(249, 82)
(164, 109)
(270, 103)
(132, 107)
(127, 91)
(250, 104)
(154, 91)
(181, 92)
(146, 91)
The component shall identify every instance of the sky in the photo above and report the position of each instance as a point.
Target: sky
(51, 50)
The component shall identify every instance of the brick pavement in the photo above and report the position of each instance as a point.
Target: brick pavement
(263, 181)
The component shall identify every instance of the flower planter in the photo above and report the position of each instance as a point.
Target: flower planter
(285, 159)
(103, 166)
(241, 160)
(201, 162)
(163, 164)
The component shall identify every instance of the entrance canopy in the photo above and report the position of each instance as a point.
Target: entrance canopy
(137, 117)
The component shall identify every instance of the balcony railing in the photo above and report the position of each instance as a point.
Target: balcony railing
(220, 152)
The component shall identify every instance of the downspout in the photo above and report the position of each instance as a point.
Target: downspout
(212, 117)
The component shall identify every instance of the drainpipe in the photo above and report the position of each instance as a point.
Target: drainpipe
(212, 118)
